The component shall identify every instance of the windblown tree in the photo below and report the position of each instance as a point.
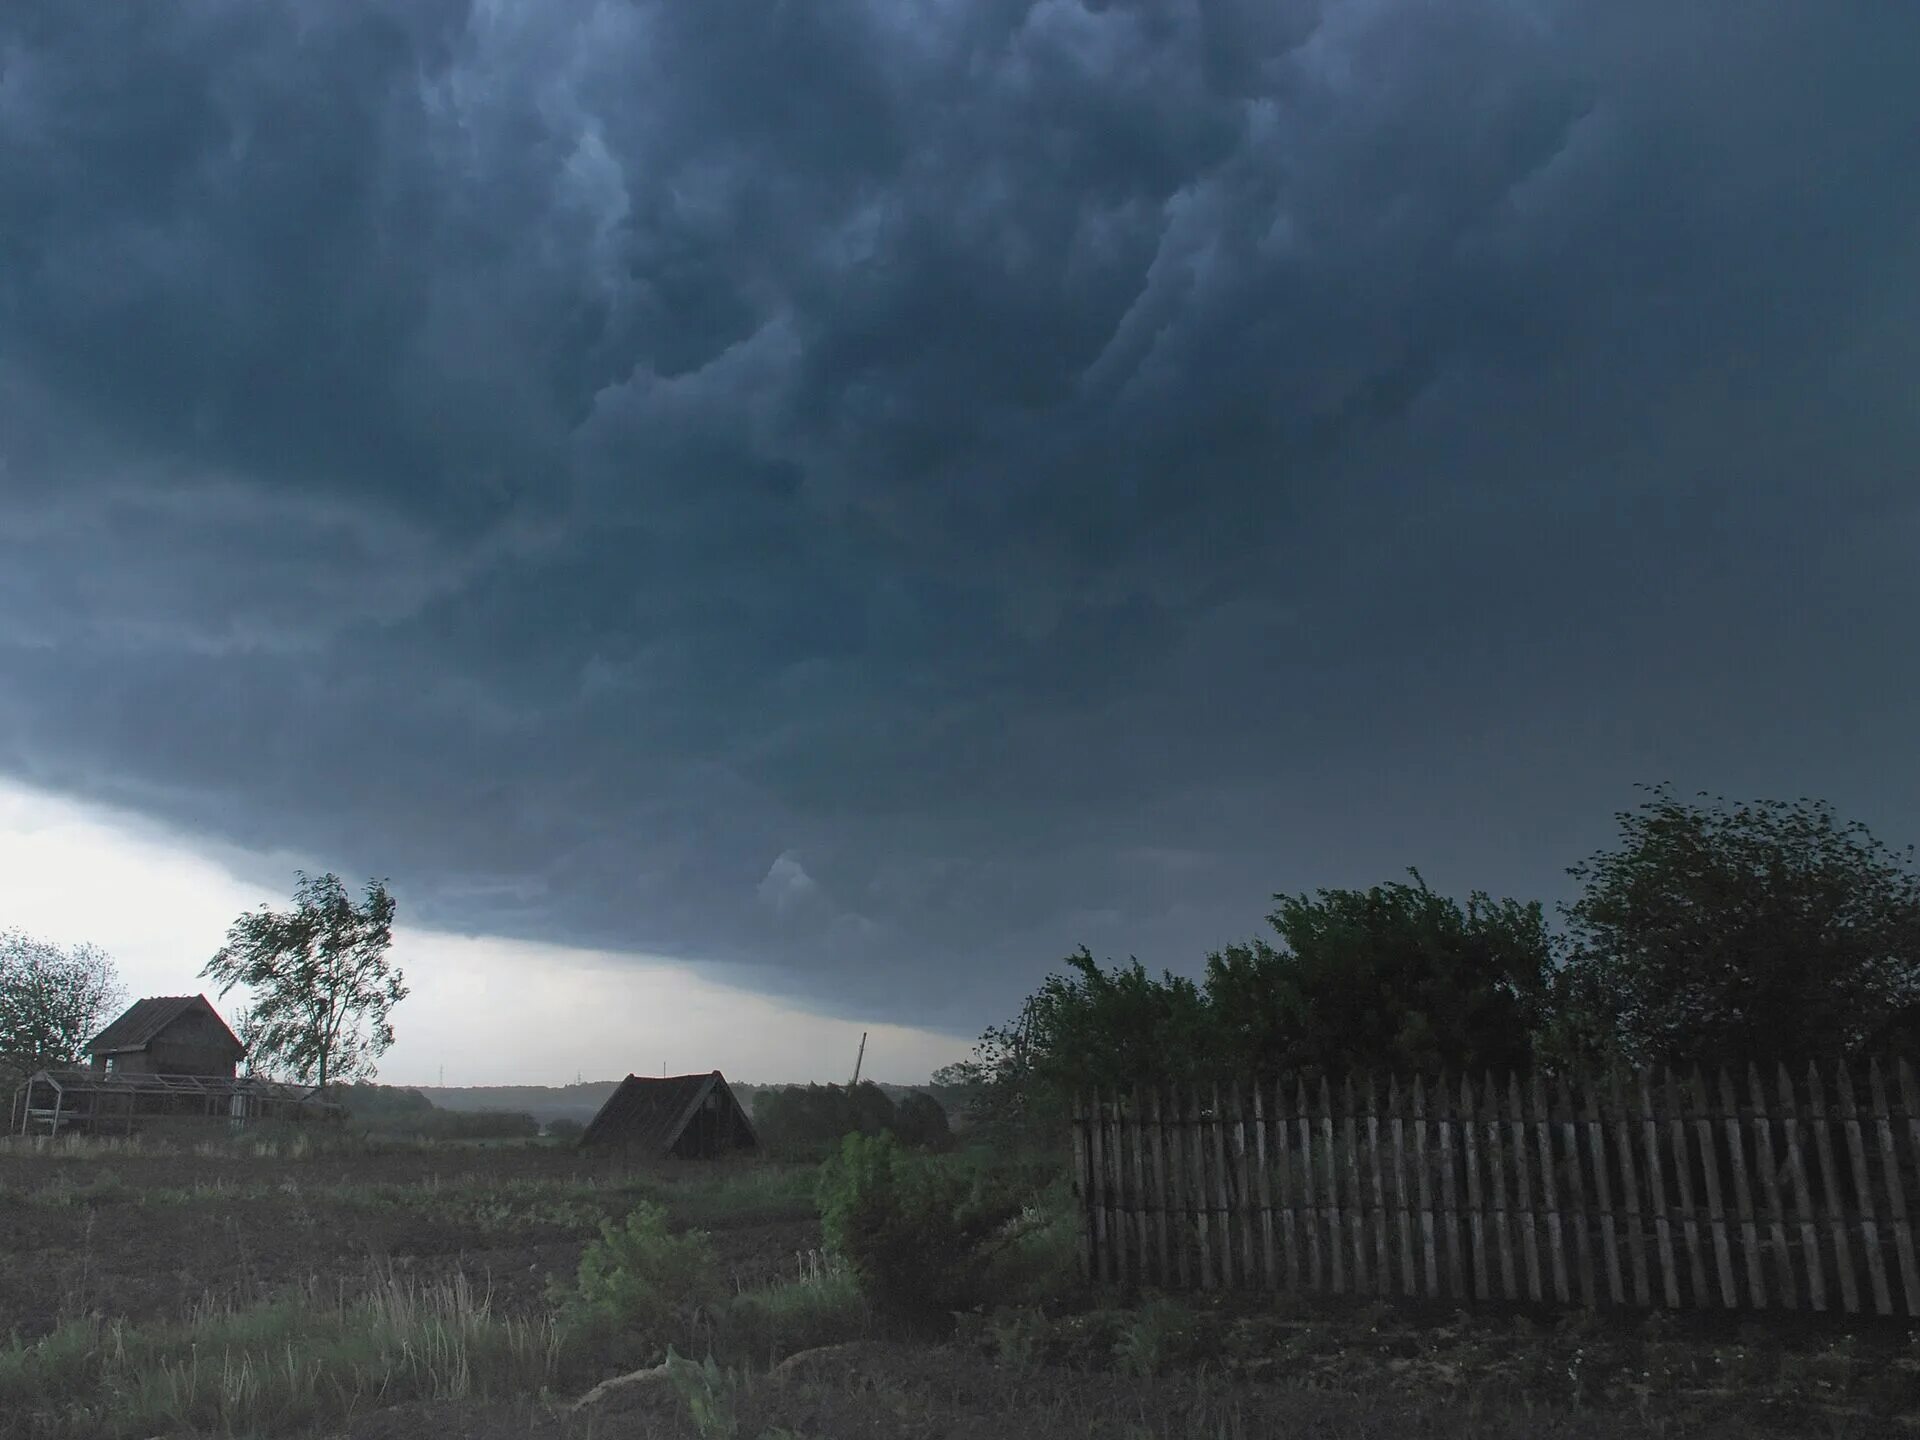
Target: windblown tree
(1085, 1027)
(1392, 978)
(52, 1001)
(322, 990)
(1719, 934)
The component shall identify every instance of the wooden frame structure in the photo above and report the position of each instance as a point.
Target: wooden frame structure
(55, 1102)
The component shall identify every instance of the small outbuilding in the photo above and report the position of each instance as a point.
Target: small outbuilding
(169, 1059)
(168, 1035)
(690, 1117)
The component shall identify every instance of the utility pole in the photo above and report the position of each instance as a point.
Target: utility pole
(857, 1061)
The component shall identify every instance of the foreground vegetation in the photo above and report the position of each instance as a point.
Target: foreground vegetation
(532, 1292)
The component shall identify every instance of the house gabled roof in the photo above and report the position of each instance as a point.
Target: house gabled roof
(143, 1021)
(650, 1114)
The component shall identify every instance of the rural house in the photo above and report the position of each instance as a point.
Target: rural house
(691, 1117)
(168, 1035)
(170, 1059)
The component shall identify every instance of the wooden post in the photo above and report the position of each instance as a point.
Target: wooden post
(1120, 1226)
(1269, 1269)
(1650, 1133)
(1178, 1173)
(1223, 1206)
(1156, 1140)
(1449, 1188)
(1802, 1195)
(1603, 1192)
(1716, 1209)
(1582, 1224)
(1202, 1197)
(1630, 1189)
(1083, 1182)
(1336, 1235)
(1896, 1190)
(1356, 1203)
(1549, 1194)
(1429, 1246)
(1689, 1215)
(1742, 1190)
(1476, 1217)
(1523, 1188)
(1289, 1234)
(1142, 1197)
(1770, 1182)
(1309, 1197)
(1243, 1191)
(1103, 1199)
(1397, 1137)
(1497, 1184)
(1871, 1252)
(1382, 1261)
(1830, 1176)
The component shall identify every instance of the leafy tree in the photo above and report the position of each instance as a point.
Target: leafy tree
(1392, 978)
(812, 1119)
(1720, 934)
(322, 988)
(1085, 1027)
(921, 1121)
(52, 1001)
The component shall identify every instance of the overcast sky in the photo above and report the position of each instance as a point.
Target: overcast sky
(848, 501)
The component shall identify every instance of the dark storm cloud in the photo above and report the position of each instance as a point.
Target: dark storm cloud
(881, 494)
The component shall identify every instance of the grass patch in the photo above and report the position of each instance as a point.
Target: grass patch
(299, 1362)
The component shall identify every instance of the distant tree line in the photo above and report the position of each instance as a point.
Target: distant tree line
(1711, 934)
(809, 1121)
(397, 1112)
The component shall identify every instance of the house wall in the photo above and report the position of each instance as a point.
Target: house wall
(194, 1044)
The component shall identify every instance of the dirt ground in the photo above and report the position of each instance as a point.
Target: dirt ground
(150, 1236)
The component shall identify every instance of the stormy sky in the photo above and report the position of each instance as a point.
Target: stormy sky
(860, 499)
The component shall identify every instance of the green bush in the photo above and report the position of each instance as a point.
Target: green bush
(1035, 1259)
(639, 1288)
(917, 1233)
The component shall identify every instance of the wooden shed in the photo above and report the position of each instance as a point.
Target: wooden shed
(168, 1035)
(691, 1117)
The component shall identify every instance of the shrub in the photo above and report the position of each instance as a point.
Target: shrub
(921, 1121)
(916, 1232)
(639, 1287)
(565, 1129)
(1035, 1259)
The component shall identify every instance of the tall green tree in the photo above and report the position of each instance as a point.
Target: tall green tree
(1718, 934)
(1085, 1027)
(1393, 978)
(321, 986)
(53, 1000)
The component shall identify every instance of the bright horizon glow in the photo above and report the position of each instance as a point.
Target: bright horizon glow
(490, 1011)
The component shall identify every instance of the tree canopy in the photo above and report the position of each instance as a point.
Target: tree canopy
(1717, 934)
(53, 1000)
(1711, 934)
(322, 990)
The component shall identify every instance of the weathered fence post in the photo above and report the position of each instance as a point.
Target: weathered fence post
(1802, 1196)
(1663, 1231)
(1742, 1193)
(1863, 1193)
(1083, 1185)
(1896, 1190)
(1830, 1177)
(1549, 1196)
(1269, 1270)
(1630, 1190)
(1524, 1193)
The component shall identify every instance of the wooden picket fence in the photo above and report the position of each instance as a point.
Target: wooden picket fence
(1643, 1189)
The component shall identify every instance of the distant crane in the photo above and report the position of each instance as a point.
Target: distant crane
(857, 1061)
